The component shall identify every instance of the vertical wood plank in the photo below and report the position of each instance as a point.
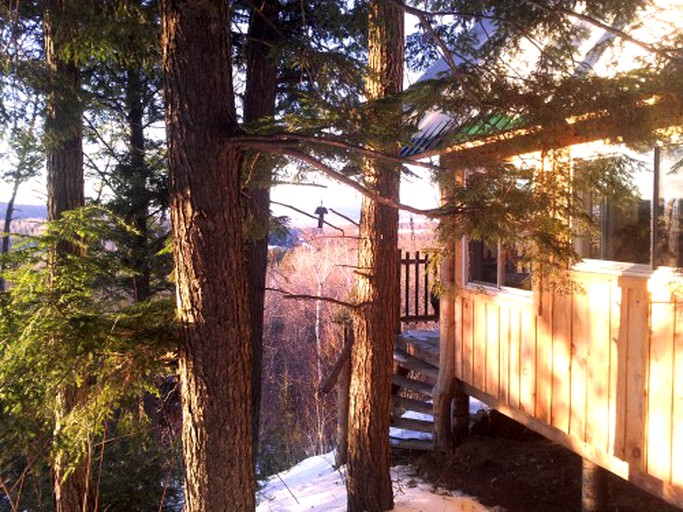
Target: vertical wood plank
(544, 358)
(458, 333)
(515, 356)
(504, 353)
(561, 361)
(467, 334)
(637, 355)
(528, 361)
(615, 326)
(660, 395)
(677, 423)
(622, 343)
(581, 318)
(479, 344)
(416, 284)
(492, 370)
(597, 378)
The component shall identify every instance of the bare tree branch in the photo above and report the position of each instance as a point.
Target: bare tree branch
(304, 296)
(307, 215)
(285, 138)
(336, 175)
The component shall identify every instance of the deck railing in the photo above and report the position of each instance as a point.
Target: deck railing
(418, 303)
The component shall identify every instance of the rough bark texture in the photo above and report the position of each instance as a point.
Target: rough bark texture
(368, 477)
(259, 102)
(64, 160)
(215, 359)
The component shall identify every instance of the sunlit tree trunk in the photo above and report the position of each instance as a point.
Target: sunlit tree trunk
(64, 160)
(259, 103)
(368, 477)
(215, 354)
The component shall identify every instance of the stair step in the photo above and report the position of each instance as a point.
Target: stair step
(412, 444)
(414, 385)
(412, 424)
(410, 404)
(424, 348)
(411, 362)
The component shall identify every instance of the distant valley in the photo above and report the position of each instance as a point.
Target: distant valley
(25, 211)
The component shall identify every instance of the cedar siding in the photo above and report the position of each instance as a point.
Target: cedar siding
(598, 369)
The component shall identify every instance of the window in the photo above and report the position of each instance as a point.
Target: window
(668, 242)
(498, 265)
(626, 229)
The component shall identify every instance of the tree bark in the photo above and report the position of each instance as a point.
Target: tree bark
(64, 161)
(215, 357)
(368, 470)
(259, 103)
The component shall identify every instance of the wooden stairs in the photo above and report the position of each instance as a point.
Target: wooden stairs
(416, 367)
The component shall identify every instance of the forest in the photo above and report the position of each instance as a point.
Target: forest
(163, 336)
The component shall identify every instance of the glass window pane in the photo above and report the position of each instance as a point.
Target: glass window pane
(621, 210)
(483, 262)
(517, 273)
(670, 210)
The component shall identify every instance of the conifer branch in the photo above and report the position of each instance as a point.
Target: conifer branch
(669, 53)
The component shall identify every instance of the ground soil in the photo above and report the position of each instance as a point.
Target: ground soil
(522, 472)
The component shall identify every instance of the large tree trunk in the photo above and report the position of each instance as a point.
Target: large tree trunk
(259, 103)
(64, 159)
(215, 359)
(368, 477)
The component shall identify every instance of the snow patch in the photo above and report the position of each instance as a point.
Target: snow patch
(315, 485)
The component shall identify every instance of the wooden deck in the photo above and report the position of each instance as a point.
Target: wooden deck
(598, 370)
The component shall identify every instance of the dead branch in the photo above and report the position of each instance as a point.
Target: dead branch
(285, 139)
(331, 379)
(344, 217)
(340, 177)
(304, 296)
(308, 215)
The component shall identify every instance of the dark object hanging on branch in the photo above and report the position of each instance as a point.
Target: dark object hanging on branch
(321, 211)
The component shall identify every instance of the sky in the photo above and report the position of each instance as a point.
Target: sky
(418, 192)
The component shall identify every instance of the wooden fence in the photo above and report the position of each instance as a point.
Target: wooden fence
(417, 302)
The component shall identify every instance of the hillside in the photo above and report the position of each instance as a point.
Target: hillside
(25, 211)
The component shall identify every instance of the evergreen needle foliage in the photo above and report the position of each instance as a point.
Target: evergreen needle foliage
(70, 325)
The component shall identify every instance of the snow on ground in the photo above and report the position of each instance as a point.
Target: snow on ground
(315, 485)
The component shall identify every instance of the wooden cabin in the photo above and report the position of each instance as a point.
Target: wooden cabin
(597, 367)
